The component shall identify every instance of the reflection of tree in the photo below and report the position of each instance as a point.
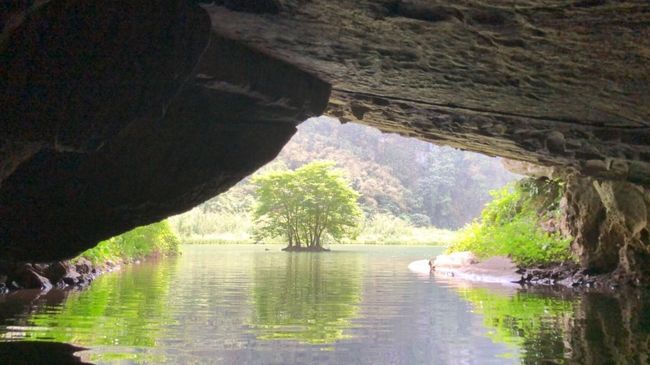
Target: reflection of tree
(310, 299)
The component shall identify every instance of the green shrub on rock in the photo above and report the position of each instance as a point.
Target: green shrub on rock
(510, 225)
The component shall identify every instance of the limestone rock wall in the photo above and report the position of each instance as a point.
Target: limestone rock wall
(609, 221)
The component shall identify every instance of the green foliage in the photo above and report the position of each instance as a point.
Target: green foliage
(510, 225)
(305, 206)
(419, 185)
(401, 176)
(197, 226)
(154, 239)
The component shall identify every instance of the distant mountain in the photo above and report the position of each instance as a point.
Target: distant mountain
(414, 180)
(403, 176)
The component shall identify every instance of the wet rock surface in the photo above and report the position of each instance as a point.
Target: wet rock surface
(569, 275)
(75, 274)
(465, 266)
(499, 269)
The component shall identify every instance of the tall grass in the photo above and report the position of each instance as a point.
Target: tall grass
(386, 229)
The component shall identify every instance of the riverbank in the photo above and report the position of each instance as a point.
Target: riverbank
(501, 269)
(60, 274)
(140, 244)
(381, 229)
(77, 273)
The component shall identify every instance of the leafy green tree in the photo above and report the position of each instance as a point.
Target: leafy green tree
(306, 205)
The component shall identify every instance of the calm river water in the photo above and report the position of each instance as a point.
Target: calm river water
(250, 304)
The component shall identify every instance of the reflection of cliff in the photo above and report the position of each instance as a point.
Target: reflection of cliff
(16, 310)
(591, 328)
(611, 329)
(310, 299)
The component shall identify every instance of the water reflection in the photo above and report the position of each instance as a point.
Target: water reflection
(612, 327)
(360, 305)
(308, 299)
(532, 322)
(116, 312)
(564, 326)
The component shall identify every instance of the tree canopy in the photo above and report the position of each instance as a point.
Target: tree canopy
(306, 205)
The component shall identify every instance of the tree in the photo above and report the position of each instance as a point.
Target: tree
(305, 205)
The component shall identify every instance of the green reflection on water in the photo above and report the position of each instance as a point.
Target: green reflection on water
(214, 300)
(534, 323)
(116, 310)
(310, 299)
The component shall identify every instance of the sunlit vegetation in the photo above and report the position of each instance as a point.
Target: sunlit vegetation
(307, 206)
(379, 229)
(513, 225)
(386, 229)
(417, 181)
(156, 239)
(415, 186)
(306, 300)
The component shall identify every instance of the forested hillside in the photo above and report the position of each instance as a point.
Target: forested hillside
(397, 177)
(403, 176)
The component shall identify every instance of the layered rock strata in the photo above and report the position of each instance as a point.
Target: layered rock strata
(562, 83)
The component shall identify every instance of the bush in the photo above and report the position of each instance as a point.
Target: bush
(154, 239)
(197, 226)
(510, 225)
(420, 220)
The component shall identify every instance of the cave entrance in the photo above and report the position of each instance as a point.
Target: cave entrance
(410, 191)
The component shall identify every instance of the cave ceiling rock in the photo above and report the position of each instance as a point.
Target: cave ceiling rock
(553, 82)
